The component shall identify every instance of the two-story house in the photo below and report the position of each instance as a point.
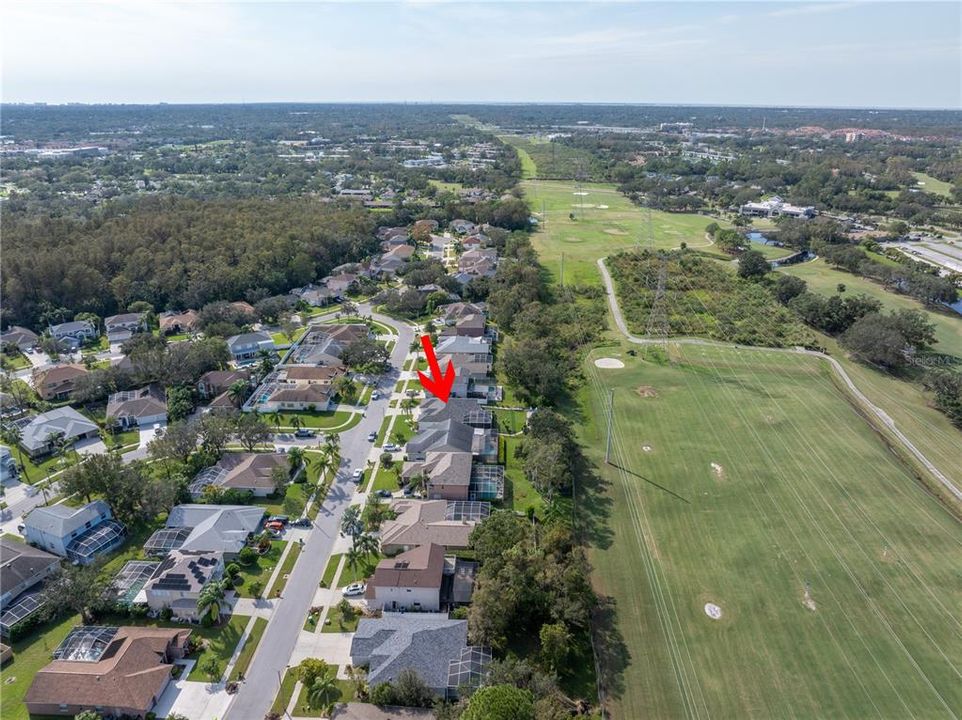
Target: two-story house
(79, 534)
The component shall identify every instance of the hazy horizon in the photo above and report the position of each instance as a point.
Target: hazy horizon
(886, 55)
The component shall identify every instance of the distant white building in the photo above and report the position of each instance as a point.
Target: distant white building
(776, 207)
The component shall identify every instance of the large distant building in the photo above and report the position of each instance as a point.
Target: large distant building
(776, 207)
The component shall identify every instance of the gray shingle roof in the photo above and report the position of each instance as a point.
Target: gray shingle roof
(65, 419)
(20, 562)
(61, 520)
(423, 642)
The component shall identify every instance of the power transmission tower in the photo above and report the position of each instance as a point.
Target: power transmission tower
(658, 317)
(611, 407)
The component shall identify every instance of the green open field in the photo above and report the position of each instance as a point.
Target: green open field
(933, 185)
(822, 278)
(745, 479)
(598, 231)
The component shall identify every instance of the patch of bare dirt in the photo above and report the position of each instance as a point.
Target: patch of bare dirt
(614, 231)
(718, 471)
(647, 391)
(807, 600)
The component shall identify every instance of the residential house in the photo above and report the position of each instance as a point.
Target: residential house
(120, 328)
(315, 295)
(74, 334)
(80, 534)
(9, 471)
(478, 263)
(216, 382)
(117, 672)
(298, 388)
(445, 436)
(392, 233)
(387, 265)
(22, 337)
(431, 644)
(452, 312)
(409, 581)
(179, 580)
(463, 227)
(467, 326)
(214, 528)
(448, 474)
(137, 408)
(179, 323)
(340, 284)
(323, 344)
(55, 383)
(470, 355)
(39, 435)
(22, 568)
(248, 346)
(253, 472)
(421, 522)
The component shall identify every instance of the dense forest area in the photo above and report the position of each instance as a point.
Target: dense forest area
(173, 253)
(918, 122)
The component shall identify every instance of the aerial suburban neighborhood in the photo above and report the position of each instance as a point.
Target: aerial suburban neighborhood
(574, 361)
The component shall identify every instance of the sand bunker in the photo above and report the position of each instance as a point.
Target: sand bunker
(646, 391)
(602, 207)
(646, 448)
(579, 193)
(713, 611)
(609, 363)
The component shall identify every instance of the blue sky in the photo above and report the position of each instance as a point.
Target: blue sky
(890, 54)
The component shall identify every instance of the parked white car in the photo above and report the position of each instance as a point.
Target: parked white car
(354, 589)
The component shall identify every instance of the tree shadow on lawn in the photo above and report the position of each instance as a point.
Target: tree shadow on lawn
(592, 506)
(610, 649)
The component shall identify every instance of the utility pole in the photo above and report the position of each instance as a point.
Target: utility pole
(611, 406)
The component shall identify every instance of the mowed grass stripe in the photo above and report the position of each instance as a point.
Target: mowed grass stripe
(768, 536)
(813, 452)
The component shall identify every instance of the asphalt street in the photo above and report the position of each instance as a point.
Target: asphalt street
(256, 694)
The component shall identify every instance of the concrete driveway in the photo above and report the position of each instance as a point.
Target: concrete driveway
(149, 433)
(193, 700)
(90, 446)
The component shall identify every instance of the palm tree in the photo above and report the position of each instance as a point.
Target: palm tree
(237, 392)
(419, 483)
(276, 419)
(295, 456)
(209, 600)
(353, 559)
(332, 441)
(368, 544)
(358, 677)
(323, 693)
(296, 422)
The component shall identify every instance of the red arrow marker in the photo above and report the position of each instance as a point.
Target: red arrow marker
(438, 384)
